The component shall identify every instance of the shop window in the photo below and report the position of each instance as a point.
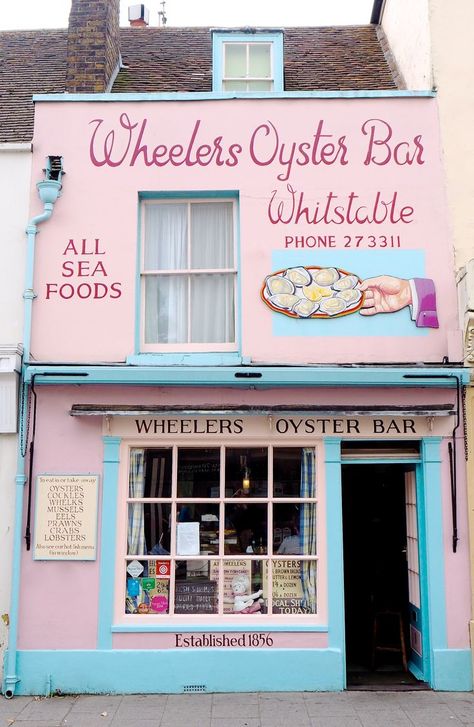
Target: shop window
(221, 531)
(188, 274)
(248, 63)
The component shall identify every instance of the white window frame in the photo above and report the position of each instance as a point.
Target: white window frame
(170, 619)
(189, 347)
(247, 79)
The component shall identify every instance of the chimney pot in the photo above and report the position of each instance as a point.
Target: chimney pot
(138, 16)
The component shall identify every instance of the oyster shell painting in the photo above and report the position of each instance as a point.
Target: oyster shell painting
(312, 292)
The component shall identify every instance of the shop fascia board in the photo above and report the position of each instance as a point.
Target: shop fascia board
(251, 376)
(108, 410)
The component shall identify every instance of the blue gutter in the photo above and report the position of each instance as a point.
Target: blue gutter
(251, 376)
(214, 96)
(48, 191)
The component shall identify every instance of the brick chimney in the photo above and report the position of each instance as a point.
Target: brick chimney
(93, 46)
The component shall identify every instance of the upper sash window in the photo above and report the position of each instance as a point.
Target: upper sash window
(188, 275)
(248, 63)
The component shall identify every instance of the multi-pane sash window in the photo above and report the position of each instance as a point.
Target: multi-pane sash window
(248, 67)
(221, 531)
(188, 275)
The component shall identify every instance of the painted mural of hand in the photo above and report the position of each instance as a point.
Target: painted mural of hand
(384, 294)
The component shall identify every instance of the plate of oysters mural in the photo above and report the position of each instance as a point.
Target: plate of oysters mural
(313, 292)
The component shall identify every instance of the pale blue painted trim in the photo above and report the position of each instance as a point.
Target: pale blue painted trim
(335, 551)
(379, 460)
(189, 194)
(426, 658)
(167, 671)
(432, 565)
(210, 358)
(452, 670)
(417, 673)
(238, 290)
(218, 628)
(257, 376)
(218, 40)
(138, 290)
(232, 358)
(211, 96)
(420, 662)
(108, 551)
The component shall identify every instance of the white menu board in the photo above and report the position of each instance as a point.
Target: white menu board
(66, 517)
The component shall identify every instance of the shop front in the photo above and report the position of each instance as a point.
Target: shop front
(243, 540)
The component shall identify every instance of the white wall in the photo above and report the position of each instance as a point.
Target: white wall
(406, 26)
(7, 503)
(15, 170)
(432, 44)
(452, 26)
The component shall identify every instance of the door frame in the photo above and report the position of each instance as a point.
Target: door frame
(431, 552)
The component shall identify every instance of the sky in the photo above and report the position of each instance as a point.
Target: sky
(26, 14)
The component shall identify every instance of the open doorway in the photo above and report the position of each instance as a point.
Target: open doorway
(377, 508)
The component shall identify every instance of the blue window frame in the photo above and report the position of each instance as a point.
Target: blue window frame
(247, 62)
(181, 245)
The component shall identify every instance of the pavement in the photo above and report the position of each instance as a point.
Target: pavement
(289, 709)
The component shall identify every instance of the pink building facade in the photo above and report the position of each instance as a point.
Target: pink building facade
(244, 393)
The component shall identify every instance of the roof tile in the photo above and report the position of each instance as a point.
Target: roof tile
(172, 59)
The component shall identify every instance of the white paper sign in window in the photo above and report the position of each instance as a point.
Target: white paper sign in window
(187, 539)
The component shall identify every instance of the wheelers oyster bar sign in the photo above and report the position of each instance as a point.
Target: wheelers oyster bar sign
(276, 426)
(337, 245)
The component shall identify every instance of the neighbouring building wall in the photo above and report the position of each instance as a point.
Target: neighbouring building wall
(7, 502)
(451, 32)
(15, 165)
(431, 44)
(406, 25)
(469, 404)
(451, 38)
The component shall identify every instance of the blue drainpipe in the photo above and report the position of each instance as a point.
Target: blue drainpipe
(49, 191)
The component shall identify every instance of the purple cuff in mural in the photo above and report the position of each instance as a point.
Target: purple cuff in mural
(424, 311)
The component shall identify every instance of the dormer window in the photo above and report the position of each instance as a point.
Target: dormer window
(248, 62)
(247, 67)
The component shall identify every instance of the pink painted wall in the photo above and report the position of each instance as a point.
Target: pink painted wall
(281, 640)
(59, 600)
(261, 149)
(458, 589)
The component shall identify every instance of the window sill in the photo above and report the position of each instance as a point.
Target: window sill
(225, 358)
(217, 627)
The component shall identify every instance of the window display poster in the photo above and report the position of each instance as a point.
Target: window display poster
(195, 597)
(287, 589)
(66, 517)
(231, 569)
(147, 595)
